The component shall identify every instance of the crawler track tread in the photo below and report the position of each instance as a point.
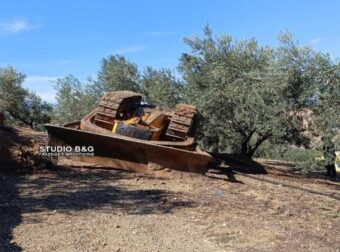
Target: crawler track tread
(181, 121)
(110, 104)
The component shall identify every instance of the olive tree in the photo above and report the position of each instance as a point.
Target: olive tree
(117, 73)
(74, 99)
(18, 104)
(248, 94)
(161, 87)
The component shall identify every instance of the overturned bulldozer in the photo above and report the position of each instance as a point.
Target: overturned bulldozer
(126, 133)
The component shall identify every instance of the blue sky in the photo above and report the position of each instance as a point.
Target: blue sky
(51, 39)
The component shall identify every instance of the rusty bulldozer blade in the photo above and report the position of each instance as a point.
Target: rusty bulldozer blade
(170, 145)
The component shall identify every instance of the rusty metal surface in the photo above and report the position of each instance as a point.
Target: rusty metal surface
(87, 124)
(175, 149)
(143, 155)
(111, 103)
(181, 121)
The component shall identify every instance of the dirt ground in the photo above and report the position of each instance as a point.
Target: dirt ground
(82, 209)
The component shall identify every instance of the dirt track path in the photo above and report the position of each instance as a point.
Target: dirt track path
(102, 210)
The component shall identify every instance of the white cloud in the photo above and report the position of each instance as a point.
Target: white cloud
(48, 96)
(161, 33)
(16, 26)
(42, 86)
(316, 41)
(129, 49)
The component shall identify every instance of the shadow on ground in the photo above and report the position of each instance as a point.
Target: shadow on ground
(69, 190)
(10, 212)
(226, 165)
(227, 162)
(77, 190)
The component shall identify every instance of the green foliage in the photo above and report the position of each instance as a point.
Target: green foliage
(18, 104)
(11, 92)
(248, 94)
(328, 151)
(160, 87)
(117, 73)
(252, 99)
(34, 112)
(74, 99)
(306, 159)
(328, 109)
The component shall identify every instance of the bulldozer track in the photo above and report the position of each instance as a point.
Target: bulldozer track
(181, 121)
(109, 106)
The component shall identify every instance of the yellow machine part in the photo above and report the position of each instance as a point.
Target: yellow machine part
(115, 126)
(132, 121)
(154, 121)
(337, 161)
